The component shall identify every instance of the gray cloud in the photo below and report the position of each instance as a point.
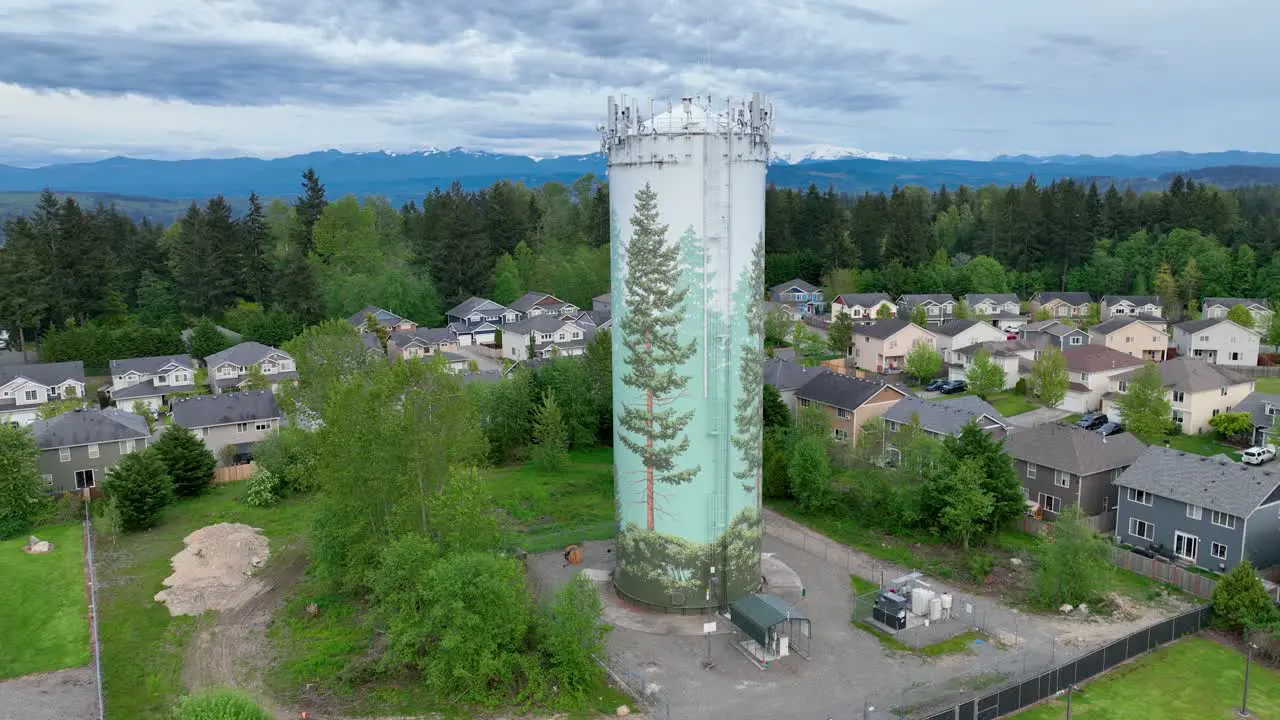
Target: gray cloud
(1114, 52)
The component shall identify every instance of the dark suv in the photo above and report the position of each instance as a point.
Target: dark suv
(1092, 421)
(952, 387)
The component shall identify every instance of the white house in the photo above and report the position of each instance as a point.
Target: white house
(1000, 309)
(863, 307)
(230, 369)
(1143, 306)
(1089, 372)
(552, 336)
(1218, 307)
(148, 380)
(1014, 357)
(956, 335)
(24, 388)
(1218, 341)
(476, 320)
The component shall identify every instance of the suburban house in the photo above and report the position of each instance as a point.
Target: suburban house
(863, 307)
(1133, 336)
(1062, 304)
(476, 320)
(421, 342)
(533, 304)
(602, 303)
(598, 319)
(938, 307)
(384, 318)
(803, 298)
(787, 376)
(24, 388)
(230, 368)
(1263, 409)
(882, 346)
(1052, 332)
(1197, 391)
(148, 380)
(77, 448)
(1143, 306)
(552, 336)
(1062, 465)
(1089, 372)
(236, 420)
(1000, 309)
(1217, 307)
(848, 401)
(955, 335)
(1203, 511)
(940, 418)
(1014, 357)
(1218, 341)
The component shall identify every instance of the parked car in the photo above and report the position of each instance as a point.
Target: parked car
(1258, 455)
(1092, 421)
(952, 387)
(1011, 336)
(936, 385)
(1110, 428)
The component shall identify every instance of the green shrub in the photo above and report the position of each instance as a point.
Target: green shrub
(219, 705)
(140, 488)
(980, 565)
(1240, 601)
(1020, 387)
(262, 489)
(186, 459)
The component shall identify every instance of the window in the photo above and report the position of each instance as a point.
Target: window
(84, 479)
(94, 450)
(1031, 471)
(1203, 338)
(1178, 396)
(1142, 497)
(1218, 550)
(1215, 412)
(1186, 546)
(1222, 519)
(933, 310)
(31, 395)
(839, 435)
(262, 425)
(181, 378)
(1062, 479)
(48, 479)
(804, 402)
(1142, 529)
(1195, 512)
(242, 427)
(1076, 340)
(842, 413)
(204, 432)
(126, 447)
(1124, 386)
(1178, 416)
(1223, 392)
(1128, 338)
(1234, 356)
(64, 454)
(1049, 502)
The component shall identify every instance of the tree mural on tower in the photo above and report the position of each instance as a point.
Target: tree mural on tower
(749, 420)
(653, 352)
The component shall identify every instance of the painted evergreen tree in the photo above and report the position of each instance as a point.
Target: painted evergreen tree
(650, 337)
(749, 421)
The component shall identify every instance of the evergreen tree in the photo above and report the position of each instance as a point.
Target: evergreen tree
(207, 339)
(195, 265)
(998, 479)
(24, 498)
(157, 303)
(966, 508)
(650, 327)
(1145, 406)
(254, 241)
(551, 438)
(297, 288)
(774, 410)
(307, 208)
(1240, 601)
(507, 284)
(186, 460)
(840, 333)
(140, 488)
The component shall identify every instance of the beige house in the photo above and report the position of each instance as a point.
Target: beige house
(1217, 341)
(863, 307)
(1218, 307)
(1014, 357)
(1132, 336)
(1197, 391)
(953, 336)
(230, 423)
(422, 342)
(1089, 372)
(848, 401)
(1062, 304)
(882, 346)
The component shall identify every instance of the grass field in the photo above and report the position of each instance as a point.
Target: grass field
(549, 510)
(1206, 444)
(1007, 402)
(43, 611)
(1267, 385)
(1192, 679)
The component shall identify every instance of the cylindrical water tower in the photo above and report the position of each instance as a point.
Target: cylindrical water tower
(686, 195)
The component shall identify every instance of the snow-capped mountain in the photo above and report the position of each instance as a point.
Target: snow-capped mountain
(799, 155)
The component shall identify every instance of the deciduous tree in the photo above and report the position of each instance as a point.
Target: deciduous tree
(923, 362)
(1049, 378)
(1145, 406)
(24, 497)
(1073, 563)
(840, 333)
(985, 378)
(1241, 316)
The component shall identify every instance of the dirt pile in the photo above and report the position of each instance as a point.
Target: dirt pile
(214, 571)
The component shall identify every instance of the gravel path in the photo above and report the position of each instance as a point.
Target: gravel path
(50, 696)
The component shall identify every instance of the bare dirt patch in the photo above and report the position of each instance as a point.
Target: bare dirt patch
(214, 571)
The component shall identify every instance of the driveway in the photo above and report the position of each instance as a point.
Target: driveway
(483, 362)
(1036, 417)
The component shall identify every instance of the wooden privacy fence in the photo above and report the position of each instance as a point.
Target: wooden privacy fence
(234, 473)
(1102, 523)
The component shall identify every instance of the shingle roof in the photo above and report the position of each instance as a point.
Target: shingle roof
(788, 375)
(471, 304)
(998, 298)
(1135, 299)
(948, 416)
(1231, 302)
(1000, 348)
(881, 329)
(82, 427)
(246, 353)
(1097, 358)
(274, 378)
(149, 365)
(1229, 487)
(1255, 403)
(1114, 324)
(385, 318)
(951, 328)
(540, 323)
(1190, 374)
(482, 376)
(796, 283)
(429, 336)
(148, 388)
(916, 299)
(606, 298)
(862, 299)
(529, 299)
(841, 391)
(1070, 298)
(1040, 325)
(48, 374)
(226, 408)
(1194, 326)
(1075, 450)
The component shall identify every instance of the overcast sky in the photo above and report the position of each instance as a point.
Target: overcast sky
(86, 79)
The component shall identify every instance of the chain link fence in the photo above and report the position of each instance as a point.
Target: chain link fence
(631, 679)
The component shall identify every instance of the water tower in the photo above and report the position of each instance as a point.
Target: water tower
(686, 195)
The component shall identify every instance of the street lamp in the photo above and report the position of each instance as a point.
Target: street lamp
(1244, 699)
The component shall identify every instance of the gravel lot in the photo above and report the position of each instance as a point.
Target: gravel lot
(50, 696)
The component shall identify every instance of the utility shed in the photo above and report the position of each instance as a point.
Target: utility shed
(774, 627)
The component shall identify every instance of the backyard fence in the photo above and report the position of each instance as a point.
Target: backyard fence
(631, 680)
(1258, 370)
(1042, 685)
(1184, 579)
(1101, 523)
(233, 473)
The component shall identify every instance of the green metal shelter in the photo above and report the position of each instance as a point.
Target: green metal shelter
(768, 619)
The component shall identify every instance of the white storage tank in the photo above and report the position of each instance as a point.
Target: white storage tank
(935, 609)
(946, 604)
(920, 598)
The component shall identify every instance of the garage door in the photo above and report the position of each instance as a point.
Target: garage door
(1073, 402)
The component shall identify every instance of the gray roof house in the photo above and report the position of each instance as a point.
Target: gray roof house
(552, 335)
(1263, 409)
(533, 303)
(939, 418)
(991, 305)
(1062, 465)
(803, 298)
(230, 368)
(421, 342)
(788, 376)
(77, 448)
(938, 307)
(147, 380)
(863, 307)
(848, 402)
(235, 420)
(1147, 307)
(24, 388)
(385, 318)
(1218, 307)
(602, 303)
(1200, 511)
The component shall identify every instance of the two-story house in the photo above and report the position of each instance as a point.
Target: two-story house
(236, 420)
(802, 297)
(1062, 304)
(882, 346)
(533, 304)
(1143, 306)
(422, 342)
(787, 376)
(1197, 391)
(148, 380)
(1264, 413)
(863, 307)
(938, 307)
(955, 335)
(1062, 465)
(849, 402)
(475, 321)
(1000, 309)
(230, 369)
(1014, 357)
(384, 318)
(1218, 307)
(1051, 332)
(24, 388)
(1131, 335)
(1217, 340)
(552, 336)
(1203, 511)
(940, 418)
(602, 303)
(1089, 372)
(77, 448)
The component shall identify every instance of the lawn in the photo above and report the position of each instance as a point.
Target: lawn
(43, 610)
(142, 646)
(549, 510)
(1267, 385)
(1006, 402)
(1205, 444)
(1192, 679)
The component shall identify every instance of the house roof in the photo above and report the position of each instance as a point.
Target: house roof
(385, 318)
(531, 298)
(85, 426)
(1070, 298)
(797, 283)
(951, 328)
(948, 416)
(1117, 323)
(881, 329)
(481, 376)
(918, 298)
(1041, 325)
(473, 303)
(149, 365)
(467, 328)
(426, 336)
(1228, 487)
(1190, 374)
(998, 298)
(1133, 299)
(1097, 358)
(226, 408)
(246, 353)
(842, 391)
(1255, 403)
(1231, 302)
(788, 375)
(540, 323)
(1072, 449)
(274, 378)
(606, 298)
(862, 299)
(148, 388)
(1000, 348)
(47, 374)
(1195, 326)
